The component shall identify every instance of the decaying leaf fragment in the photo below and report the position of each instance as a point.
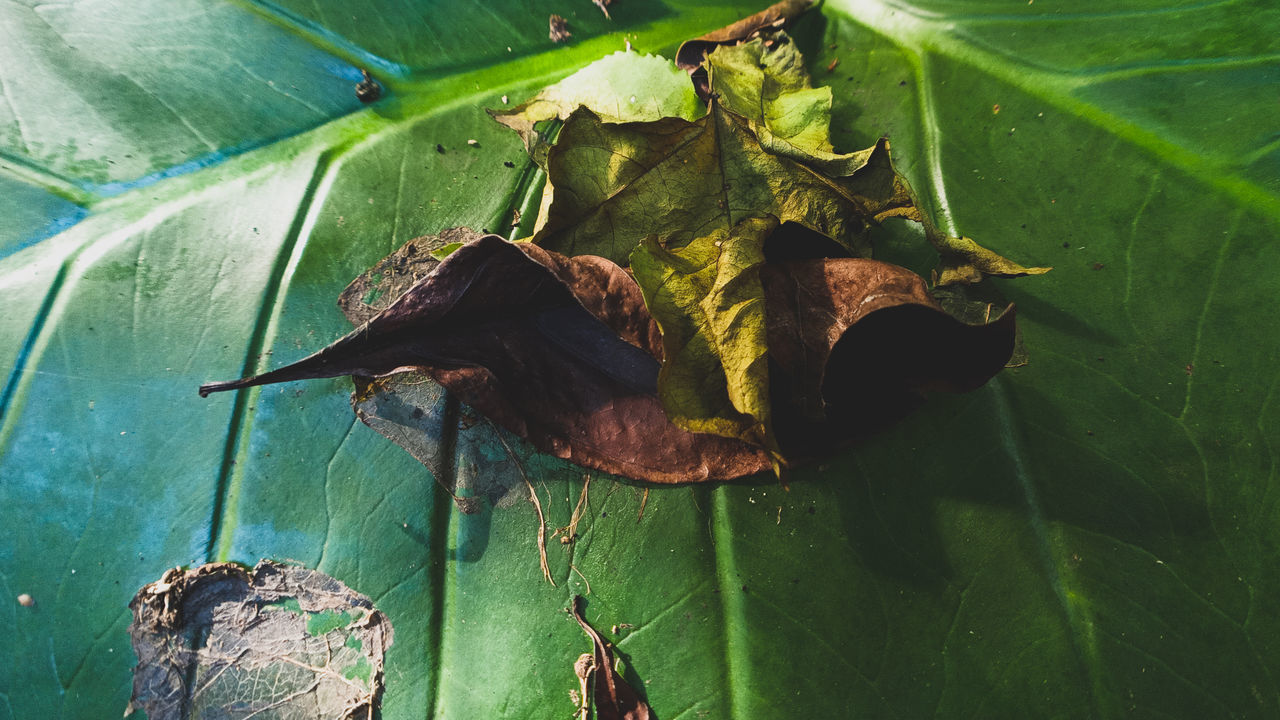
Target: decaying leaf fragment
(614, 698)
(559, 29)
(557, 350)
(220, 641)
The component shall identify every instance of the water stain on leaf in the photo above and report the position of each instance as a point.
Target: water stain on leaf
(220, 641)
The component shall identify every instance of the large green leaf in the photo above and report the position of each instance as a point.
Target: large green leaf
(1091, 535)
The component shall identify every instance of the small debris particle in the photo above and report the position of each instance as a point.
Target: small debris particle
(1012, 129)
(368, 89)
(1039, 115)
(995, 109)
(559, 29)
(439, 148)
(1098, 266)
(831, 67)
(473, 143)
(1189, 369)
(509, 164)
(504, 99)
(26, 600)
(515, 218)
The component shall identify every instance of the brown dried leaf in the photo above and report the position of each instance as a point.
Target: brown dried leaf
(614, 698)
(219, 641)
(856, 343)
(560, 351)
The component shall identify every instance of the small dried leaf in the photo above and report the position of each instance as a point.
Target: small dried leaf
(559, 29)
(614, 698)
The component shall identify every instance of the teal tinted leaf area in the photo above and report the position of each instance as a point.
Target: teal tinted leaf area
(32, 214)
(436, 36)
(1091, 535)
(105, 93)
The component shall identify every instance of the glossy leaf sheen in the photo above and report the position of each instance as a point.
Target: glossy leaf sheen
(987, 557)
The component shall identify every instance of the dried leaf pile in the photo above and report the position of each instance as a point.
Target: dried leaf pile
(697, 301)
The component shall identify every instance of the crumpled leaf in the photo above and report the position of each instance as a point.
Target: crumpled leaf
(854, 345)
(707, 299)
(765, 81)
(623, 87)
(614, 698)
(770, 87)
(692, 52)
(616, 184)
(285, 642)
(557, 350)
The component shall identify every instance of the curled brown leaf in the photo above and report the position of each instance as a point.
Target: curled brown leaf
(560, 351)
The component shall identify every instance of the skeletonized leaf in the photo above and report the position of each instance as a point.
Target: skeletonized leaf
(220, 641)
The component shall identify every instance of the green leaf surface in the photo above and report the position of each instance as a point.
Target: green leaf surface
(1092, 535)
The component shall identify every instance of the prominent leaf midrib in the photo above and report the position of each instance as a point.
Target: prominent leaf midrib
(236, 456)
(918, 34)
(1079, 632)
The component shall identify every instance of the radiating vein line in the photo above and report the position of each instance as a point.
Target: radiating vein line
(1035, 512)
(27, 350)
(1204, 311)
(914, 33)
(1128, 252)
(730, 601)
(235, 452)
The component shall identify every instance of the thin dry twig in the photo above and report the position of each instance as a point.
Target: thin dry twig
(584, 578)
